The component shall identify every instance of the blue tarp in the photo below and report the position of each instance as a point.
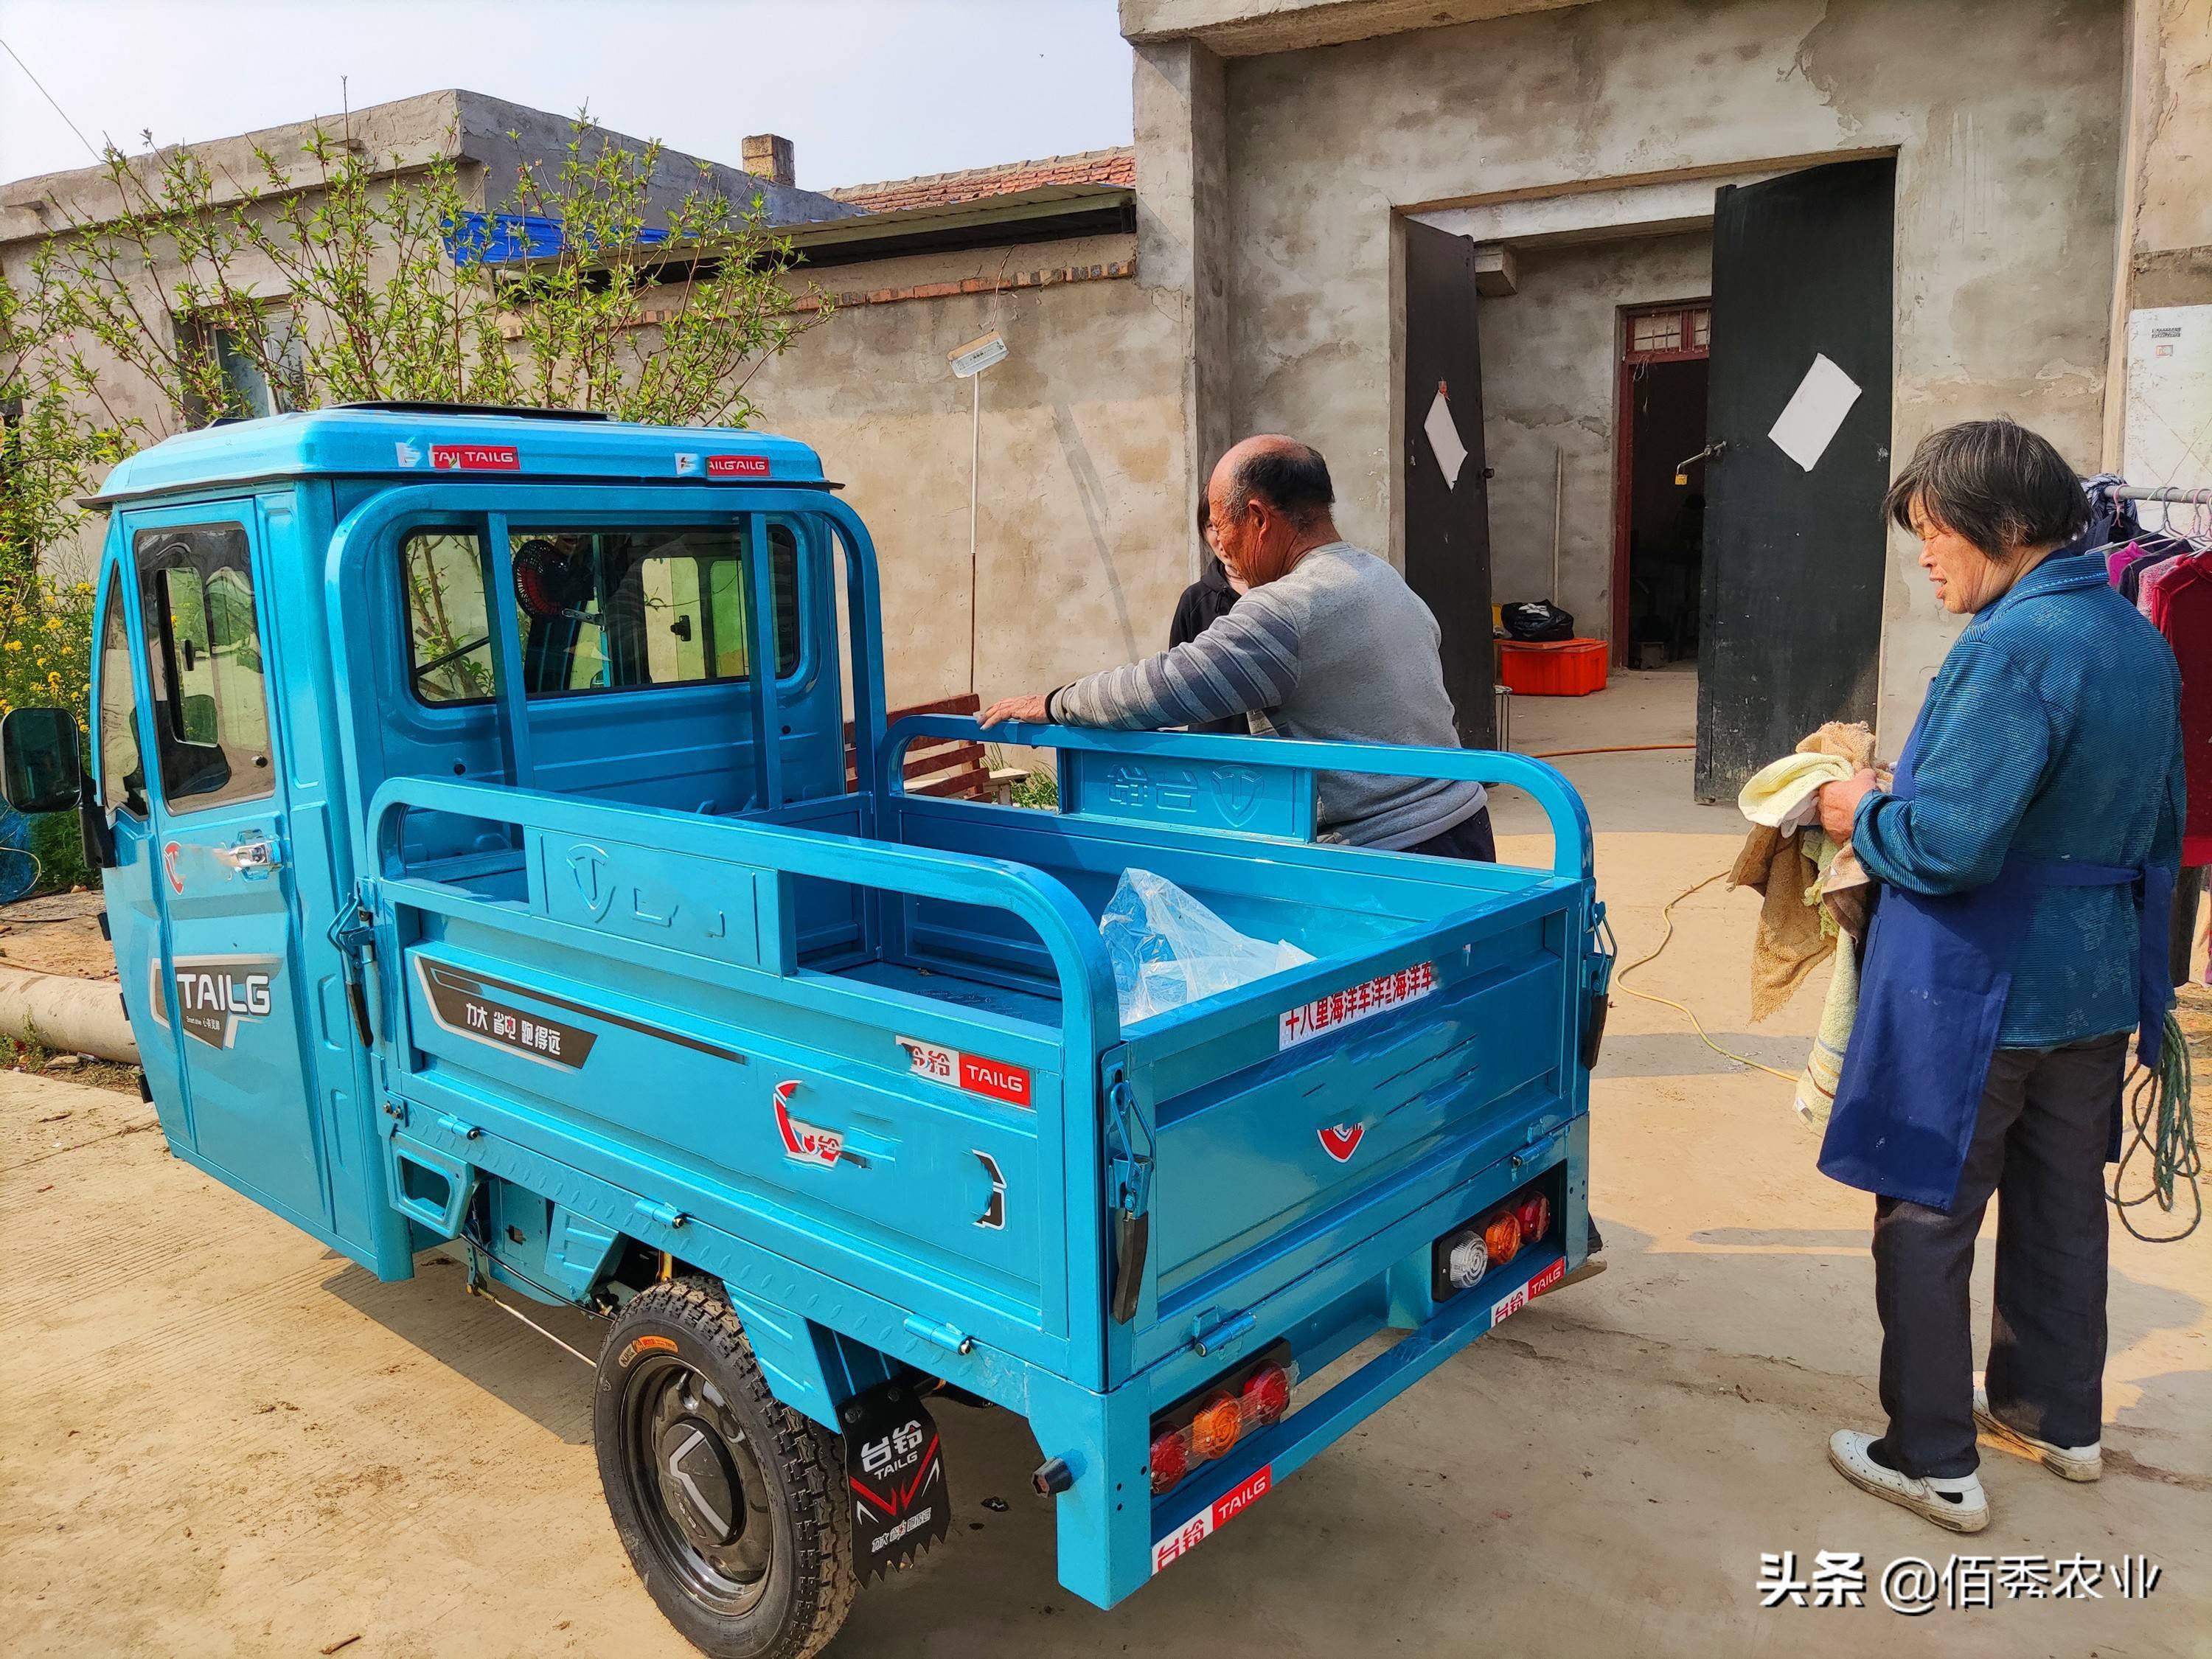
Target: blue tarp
(500, 238)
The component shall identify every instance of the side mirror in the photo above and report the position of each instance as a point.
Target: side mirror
(39, 767)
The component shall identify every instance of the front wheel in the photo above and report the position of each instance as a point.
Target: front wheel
(728, 1501)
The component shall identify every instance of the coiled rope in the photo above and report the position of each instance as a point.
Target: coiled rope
(2161, 1124)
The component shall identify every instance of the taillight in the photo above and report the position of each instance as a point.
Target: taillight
(1215, 1429)
(1212, 1423)
(1468, 1261)
(1533, 1212)
(1171, 1459)
(1501, 1236)
(1265, 1396)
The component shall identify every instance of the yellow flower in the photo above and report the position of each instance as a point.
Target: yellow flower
(53, 624)
(15, 645)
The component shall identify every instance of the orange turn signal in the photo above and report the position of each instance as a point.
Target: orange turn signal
(1215, 1429)
(1501, 1236)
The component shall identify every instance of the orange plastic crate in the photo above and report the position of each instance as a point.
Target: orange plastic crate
(1552, 668)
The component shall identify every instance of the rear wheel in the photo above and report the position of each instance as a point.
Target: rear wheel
(728, 1502)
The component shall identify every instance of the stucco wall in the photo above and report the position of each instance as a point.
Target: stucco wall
(1548, 389)
(1084, 525)
(2006, 121)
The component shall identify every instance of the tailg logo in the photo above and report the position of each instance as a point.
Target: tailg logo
(216, 994)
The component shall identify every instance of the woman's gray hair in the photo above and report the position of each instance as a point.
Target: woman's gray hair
(1995, 482)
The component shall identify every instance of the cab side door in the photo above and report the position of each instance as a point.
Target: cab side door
(227, 985)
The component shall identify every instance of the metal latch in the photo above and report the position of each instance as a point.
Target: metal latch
(252, 856)
(1130, 1183)
(1599, 957)
(354, 933)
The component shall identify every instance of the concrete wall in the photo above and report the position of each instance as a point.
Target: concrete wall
(1085, 525)
(1549, 389)
(2006, 121)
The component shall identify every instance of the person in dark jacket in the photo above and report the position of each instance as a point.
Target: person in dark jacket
(1205, 603)
(2026, 851)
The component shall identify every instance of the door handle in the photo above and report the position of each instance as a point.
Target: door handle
(253, 857)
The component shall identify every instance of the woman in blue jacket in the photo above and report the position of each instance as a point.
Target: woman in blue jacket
(2026, 850)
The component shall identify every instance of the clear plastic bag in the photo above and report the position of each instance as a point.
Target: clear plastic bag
(1168, 949)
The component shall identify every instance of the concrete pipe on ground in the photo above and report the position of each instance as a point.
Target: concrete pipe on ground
(70, 1016)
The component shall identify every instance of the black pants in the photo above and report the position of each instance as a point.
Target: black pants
(2039, 1146)
(1470, 838)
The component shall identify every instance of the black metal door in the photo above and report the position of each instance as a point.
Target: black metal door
(1794, 554)
(1447, 513)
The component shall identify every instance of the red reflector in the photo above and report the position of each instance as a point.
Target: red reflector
(1266, 1395)
(1171, 1459)
(1533, 1212)
(1501, 1238)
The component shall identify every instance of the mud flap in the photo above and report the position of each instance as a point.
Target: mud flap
(895, 1475)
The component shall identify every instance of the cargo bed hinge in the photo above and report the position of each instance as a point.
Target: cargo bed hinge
(1129, 1148)
(354, 933)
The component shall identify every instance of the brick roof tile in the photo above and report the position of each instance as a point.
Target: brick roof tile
(1097, 167)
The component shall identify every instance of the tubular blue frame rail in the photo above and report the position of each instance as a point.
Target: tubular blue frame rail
(1090, 1016)
(1572, 845)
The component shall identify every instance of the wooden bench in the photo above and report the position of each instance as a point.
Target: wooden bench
(958, 768)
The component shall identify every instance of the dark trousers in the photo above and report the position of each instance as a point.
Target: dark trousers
(1470, 838)
(2039, 1146)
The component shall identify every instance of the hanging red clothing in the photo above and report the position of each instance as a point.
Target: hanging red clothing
(2177, 598)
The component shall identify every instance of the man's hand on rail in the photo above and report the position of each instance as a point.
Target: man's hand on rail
(1028, 711)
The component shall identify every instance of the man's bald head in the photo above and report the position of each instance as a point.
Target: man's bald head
(1289, 476)
(1269, 500)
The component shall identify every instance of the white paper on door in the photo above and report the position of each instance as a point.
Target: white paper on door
(1443, 437)
(1808, 422)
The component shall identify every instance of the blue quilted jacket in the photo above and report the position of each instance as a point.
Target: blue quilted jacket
(2053, 731)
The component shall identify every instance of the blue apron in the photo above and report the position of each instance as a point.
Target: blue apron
(1932, 995)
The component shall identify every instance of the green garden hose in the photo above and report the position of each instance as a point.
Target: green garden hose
(2161, 1123)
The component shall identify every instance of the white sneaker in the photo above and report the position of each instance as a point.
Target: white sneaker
(1959, 1505)
(2068, 1462)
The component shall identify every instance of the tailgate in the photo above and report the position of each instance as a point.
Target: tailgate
(1292, 1125)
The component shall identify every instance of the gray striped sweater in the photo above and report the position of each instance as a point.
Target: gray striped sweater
(1341, 649)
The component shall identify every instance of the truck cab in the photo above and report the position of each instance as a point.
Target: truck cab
(506, 850)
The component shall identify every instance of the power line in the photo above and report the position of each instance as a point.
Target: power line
(49, 97)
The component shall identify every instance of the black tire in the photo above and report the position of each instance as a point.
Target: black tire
(732, 1505)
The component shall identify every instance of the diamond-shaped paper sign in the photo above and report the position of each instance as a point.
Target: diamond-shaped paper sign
(1443, 437)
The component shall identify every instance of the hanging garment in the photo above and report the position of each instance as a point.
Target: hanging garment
(2156, 551)
(1930, 1000)
(2112, 518)
(1779, 865)
(2182, 611)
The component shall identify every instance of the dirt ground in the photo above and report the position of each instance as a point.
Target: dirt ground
(56, 933)
(221, 1439)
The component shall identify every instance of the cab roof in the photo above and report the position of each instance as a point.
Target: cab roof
(412, 441)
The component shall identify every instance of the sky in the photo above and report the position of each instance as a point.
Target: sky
(864, 89)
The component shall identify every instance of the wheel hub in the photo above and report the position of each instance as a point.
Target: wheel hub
(707, 1500)
(699, 1483)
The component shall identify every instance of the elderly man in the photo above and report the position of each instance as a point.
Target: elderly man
(1328, 643)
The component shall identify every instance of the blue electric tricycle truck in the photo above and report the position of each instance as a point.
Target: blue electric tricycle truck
(485, 868)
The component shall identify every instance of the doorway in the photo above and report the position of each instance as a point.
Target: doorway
(1659, 499)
